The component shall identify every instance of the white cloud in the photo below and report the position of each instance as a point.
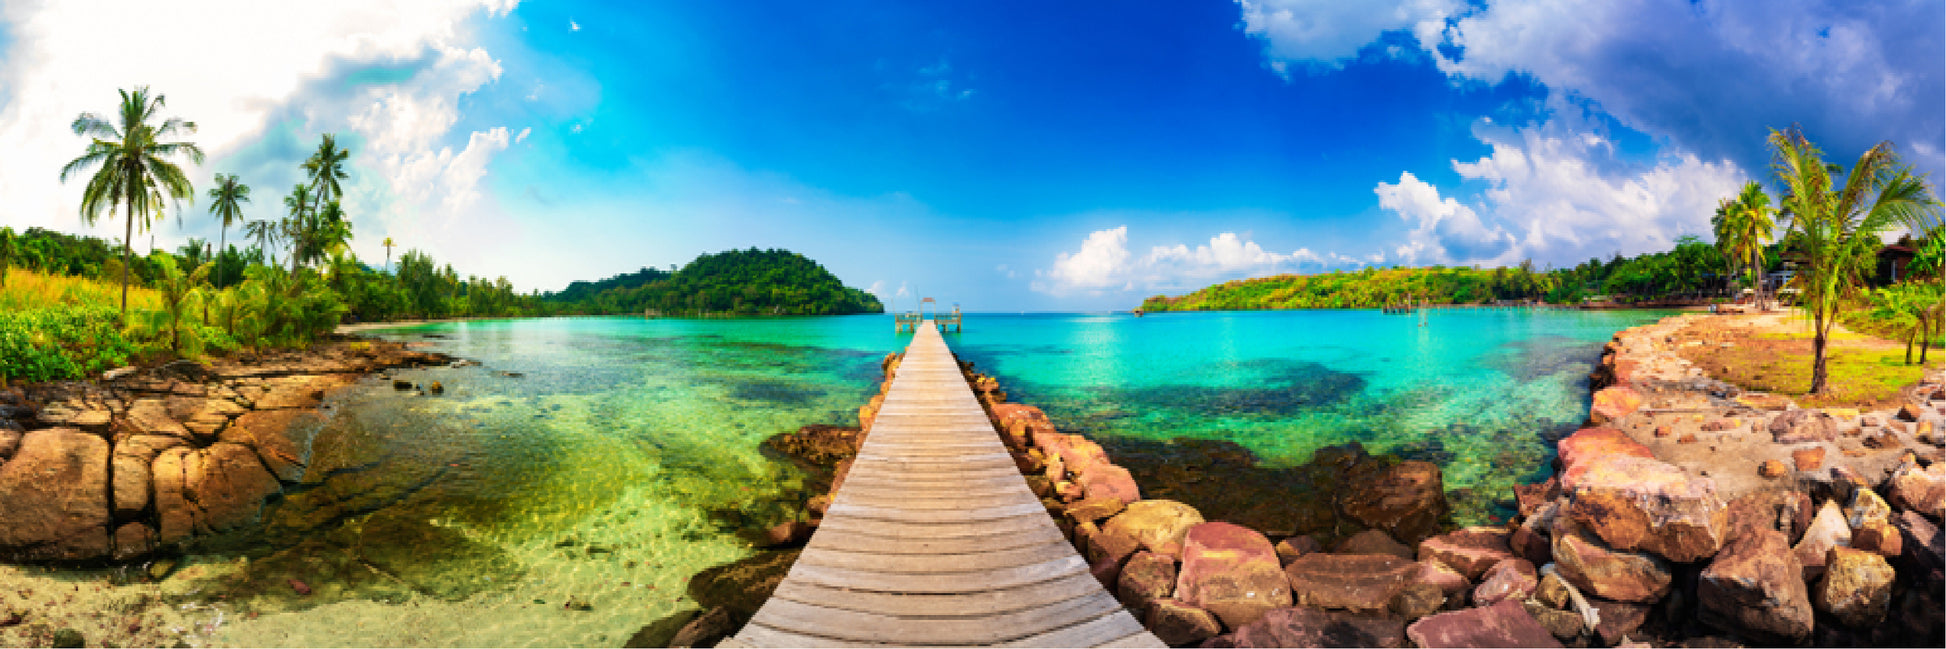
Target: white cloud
(1557, 196)
(1324, 34)
(573, 26)
(1104, 264)
(1711, 76)
(261, 83)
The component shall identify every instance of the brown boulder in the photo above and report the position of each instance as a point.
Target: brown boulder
(1405, 500)
(1232, 572)
(1784, 510)
(1613, 403)
(1309, 627)
(816, 444)
(1505, 624)
(132, 540)
(1911, 412)
(1470, 551)
(1105, 544)
(1878, 537)
(1155, 525)
(1104, 480)
(268, 432)
(1531, 541)
(1594, 567)
(1755, 585)
(130, 482)
(1920, 490)
(1510, 579)
(54, 498)
(1800, 426)
(1808, 459)
(1772, 469)
(1296, 546)
(1598, 442)
(1365, 583)
(1828, 530)
(1093, 509)
(1178, 624)
(1449, 581)
(1530, 497)
(1636, 503)
(175, 516)
(228, 484)
(1145, 578)
(1373, 542)
(1923, 548)
(1856, 589)
(151, 417)
(1720, 425)
(1618, 620)
(9, 439)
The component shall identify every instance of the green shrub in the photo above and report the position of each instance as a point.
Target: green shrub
(57, 343)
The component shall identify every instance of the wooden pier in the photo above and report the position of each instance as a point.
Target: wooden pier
(934, 539)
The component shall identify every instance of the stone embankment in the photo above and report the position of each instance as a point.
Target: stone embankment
(150, 460)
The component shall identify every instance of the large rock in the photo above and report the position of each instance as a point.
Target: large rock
(9, 438)
(1310, 627)
(1506, 624)
(1532, 540)
(1636, 503)
(1598, 442)
(1510, 579)
(268, 432)
(1800, 426)
(1922, 547)
(229, 485)
(1856, 589)
(1365, 583)
(1156, 525)
(1145, 578)
(130, 482)
(1179, 625)
(1232, 572)
(1405, 500)
(1920, 490)
(1373, 542)
(1782, 510)
(1596, 568)
(133, 540)
(54, 497)
(175, 516)
(1103, 480)
(1618, 620)
(1828, 529)
(1449, 581)
(1613, 403)
(742, 586)
(1755, 585)
(819, 444)
(1471, 551)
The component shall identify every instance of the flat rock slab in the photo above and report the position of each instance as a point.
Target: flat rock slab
(1506, 624)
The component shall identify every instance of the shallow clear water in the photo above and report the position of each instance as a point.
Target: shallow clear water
(625, 455)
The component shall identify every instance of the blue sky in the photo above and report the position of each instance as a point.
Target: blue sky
(1003, 155)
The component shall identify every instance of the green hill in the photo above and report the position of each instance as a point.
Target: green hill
(741, 282)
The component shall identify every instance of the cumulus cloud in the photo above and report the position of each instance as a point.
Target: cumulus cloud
(1105, 264)
(1557, 196)
(1710, 76)
(261, 83)
(1324, 34)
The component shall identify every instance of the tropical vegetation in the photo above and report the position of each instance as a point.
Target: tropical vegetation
(734, 282)
(133, 166)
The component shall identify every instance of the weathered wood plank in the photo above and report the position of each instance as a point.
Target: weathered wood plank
(854, 540)
(909, 563)
(848, 510)
(933, 582)
(1107, 628)
(861, 626)
(966, 603)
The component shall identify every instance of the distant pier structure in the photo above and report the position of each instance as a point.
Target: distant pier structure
(910, 320)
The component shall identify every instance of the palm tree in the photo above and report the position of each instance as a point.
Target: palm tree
(1743, 225)
(325, 168)
(134, 170)
(388, 252)
(267, 233)
(226, 202)
(299, 204)
(1836, 229)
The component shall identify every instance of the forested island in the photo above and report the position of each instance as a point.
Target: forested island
(733, 282)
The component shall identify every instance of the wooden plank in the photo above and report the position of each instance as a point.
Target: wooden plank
(848, 510)
(1142, 639)
(1107, 628)
(899, 479)
(934, 501)
(759, 635)
(853, 540)
(947, 563)
(898, 582)
(909, 529)
(860, 626)
(966, 603)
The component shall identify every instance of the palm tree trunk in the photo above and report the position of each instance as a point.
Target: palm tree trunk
(221, 244)
(128, 252)
(1817, 352)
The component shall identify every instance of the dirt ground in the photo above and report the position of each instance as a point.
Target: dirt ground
(1772, 353)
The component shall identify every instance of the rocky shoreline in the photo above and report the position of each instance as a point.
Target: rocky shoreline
(1685, 512)
(153, 461)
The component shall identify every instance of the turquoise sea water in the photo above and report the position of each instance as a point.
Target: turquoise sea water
(600, 461)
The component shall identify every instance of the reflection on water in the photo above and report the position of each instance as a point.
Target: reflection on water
(559, 493)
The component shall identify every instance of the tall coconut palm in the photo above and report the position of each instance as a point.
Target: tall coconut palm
(132, 156)
(1743, 225)
(325, 168)
(388, 252)
(267, 233)
(1836, 228)
(226, 201)
(299, 203)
